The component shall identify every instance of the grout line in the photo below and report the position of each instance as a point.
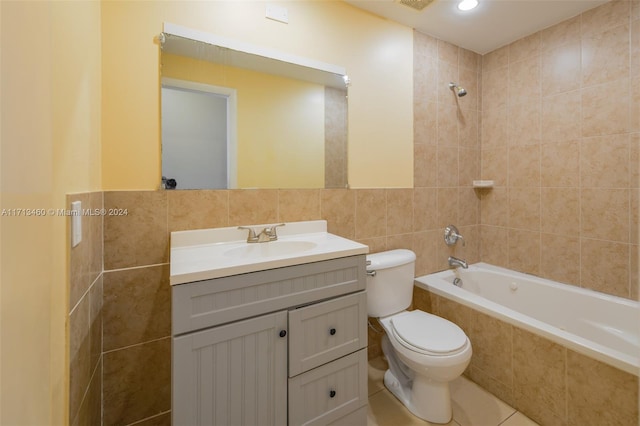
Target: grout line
(136, 344)
(136, 267)
(85, 294)
(137, 422)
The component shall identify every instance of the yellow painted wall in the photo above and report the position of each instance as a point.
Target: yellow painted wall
(376, 53)
(280, 125)
(50, 146)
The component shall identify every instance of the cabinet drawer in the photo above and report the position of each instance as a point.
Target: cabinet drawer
(213, 302)
(330, 392)
(325, 331)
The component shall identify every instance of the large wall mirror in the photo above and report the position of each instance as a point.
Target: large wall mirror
(239, 116)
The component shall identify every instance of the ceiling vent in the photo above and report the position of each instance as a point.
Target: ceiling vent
(415, 4)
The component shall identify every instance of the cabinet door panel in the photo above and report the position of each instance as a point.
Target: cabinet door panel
(232, 375)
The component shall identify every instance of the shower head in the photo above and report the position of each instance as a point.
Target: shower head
(458, 90)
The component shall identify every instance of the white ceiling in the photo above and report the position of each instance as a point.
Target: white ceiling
(494, 23)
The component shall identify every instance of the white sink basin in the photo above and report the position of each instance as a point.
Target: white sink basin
(270, 249)
(213, 253)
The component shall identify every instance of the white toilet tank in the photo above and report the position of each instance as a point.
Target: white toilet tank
(391, 289)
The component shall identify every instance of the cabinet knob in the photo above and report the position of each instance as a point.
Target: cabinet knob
(332, 393)
(332, 331)
(283, 333)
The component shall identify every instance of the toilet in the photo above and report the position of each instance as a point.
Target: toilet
(424, 352)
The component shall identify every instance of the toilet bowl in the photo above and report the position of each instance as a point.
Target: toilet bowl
(425, 352)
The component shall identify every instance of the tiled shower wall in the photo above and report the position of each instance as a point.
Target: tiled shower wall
(560, 137)
(85, 316)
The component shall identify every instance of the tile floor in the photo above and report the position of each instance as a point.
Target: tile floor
(472, 405)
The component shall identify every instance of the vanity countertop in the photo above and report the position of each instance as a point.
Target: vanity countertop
(214, 253)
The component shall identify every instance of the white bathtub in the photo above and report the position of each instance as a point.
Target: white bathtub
(603, 327)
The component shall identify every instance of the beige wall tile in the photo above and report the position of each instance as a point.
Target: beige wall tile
(448, 52)
(494, 207)
(494, 127)
(605, 108)
(447, 72)
(561, 116)
(425, 122)
(425, 166)
(399, 206)
(376, 244)
(338, 208)
(296, 205)
(425, 209)
(253, 206)
(133, 297)
(425, 245)
(447, 206)
(635, 9)
(560, 164)
(494, 95)
(425, 44)
(486, 333)
(605, 266)
(371, 213)
(524, 48)
(468, 166)
(469, 60)
(560, 258)
(560, 211)
(605, 214)
(563, 33)
(634, 161)
(468, 132)
(524, 251)
(604, 17)
(604, 162)
(495, 59)
(634, 213)
(494, 245)
(140, 237)
(524, 123)
(524, 208)
(198, 209)
(524, 80)
(634, 272)
(599, 394)
(605, 56)
(561, 68)
(425, 78)
(634, 105)
(401, 241)
(494, 165)
(635, 48)
(470, 251)
(490, 384)
(447, 125)
(447, 166)
(539, 372)
(468, 207)
(80, 370)
(524, 166)
(137, 382)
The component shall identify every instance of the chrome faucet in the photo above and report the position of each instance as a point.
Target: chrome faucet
(267, 234)
(454, 261)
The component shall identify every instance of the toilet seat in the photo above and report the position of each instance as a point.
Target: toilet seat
(428, 334)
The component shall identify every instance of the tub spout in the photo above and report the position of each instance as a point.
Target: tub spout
(454, 261)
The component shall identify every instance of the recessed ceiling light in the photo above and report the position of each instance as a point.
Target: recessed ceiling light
(467, 4)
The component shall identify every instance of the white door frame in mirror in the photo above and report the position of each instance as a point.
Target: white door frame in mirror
(232, 113)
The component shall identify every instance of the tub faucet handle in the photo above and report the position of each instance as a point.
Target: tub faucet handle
(451, 236)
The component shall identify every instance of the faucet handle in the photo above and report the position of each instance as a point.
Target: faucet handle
(251, 237)
(271, 231)
(451, 236)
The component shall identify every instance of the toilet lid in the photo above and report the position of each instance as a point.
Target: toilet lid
(426, 333)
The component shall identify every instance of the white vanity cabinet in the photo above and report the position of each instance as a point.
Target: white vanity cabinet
(273, 347)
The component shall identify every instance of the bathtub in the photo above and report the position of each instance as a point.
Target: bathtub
(600, 326)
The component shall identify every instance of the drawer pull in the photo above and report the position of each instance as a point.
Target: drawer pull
(332, 331)
(332, 393)
(283, 333)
